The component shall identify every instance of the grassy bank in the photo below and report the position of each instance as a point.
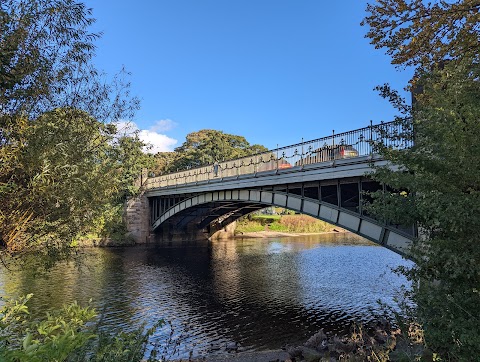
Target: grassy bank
(282, 223)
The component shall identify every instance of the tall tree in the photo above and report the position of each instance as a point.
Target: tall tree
(440, 173)
(60, 162)
(130, 160)
(42, 45)
(61, 173)
(418, 33)
(209, 146)
(164, 162)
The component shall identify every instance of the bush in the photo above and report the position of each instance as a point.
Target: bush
(304, 224)
(284, 223)
(52, 339)
(65, 335)
(245, 226)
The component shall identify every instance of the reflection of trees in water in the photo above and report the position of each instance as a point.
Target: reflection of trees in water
(254, 292)
(248, 292)
(97, 274)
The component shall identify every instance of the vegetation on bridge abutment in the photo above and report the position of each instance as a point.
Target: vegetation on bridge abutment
(439, 185)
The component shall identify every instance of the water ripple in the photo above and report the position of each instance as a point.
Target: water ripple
(256, 294)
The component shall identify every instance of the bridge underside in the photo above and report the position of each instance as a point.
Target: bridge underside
(193, 216)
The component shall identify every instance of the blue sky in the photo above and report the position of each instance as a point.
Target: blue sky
(273, 71)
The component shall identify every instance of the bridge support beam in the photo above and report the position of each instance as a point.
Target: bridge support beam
(226, 232)
(137, 219)
(169, 233)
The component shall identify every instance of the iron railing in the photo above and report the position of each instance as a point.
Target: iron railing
(356, 143)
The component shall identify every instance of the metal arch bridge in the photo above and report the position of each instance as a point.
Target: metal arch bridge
(326, 178)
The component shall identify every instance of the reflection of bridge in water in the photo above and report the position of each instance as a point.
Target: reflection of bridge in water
(325, 178)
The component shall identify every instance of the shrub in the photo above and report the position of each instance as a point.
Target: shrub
(65, 335)
(245, 226)
(304, 224)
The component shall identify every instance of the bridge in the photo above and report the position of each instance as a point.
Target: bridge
(327, 178)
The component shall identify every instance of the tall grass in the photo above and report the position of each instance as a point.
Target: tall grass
(248, 226)
(284, 223)
(304, 224)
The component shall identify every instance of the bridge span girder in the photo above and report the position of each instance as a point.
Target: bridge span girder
(207, 212)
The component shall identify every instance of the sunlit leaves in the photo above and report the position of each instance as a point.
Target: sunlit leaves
(417, 33)
(209, 146)
(60, 163)
(440, 175)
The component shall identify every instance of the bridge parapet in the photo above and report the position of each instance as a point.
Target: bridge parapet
(324, 150)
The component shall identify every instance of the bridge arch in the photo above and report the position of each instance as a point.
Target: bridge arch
(211, 211)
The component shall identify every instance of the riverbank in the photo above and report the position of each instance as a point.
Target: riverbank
(279, 234)
(282, 224)
(382, 341)
(264, 356)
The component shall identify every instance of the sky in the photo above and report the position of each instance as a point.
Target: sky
(273, 71)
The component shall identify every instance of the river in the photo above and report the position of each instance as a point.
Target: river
(258, 294)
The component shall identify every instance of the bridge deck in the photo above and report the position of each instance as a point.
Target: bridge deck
(326, 181)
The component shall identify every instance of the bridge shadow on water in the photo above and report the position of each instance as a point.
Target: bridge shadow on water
(263, 294)
(257, 294)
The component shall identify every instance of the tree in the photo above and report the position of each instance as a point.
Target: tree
(60, 163)
(417, 33)
(130, 160)
(163, 162)
(438, 182)
(42, 45)
(441, 194)
(209, 146)
(62, 172)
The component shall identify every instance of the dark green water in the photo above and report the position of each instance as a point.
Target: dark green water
(256, 293)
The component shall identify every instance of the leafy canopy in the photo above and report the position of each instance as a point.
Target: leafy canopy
(204, 147)
(439, 178)
(415, 32)
(63, 169)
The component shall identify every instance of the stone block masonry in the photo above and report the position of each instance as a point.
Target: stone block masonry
(137, 218)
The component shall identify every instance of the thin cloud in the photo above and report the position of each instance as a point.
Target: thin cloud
(163, 125)
(155, 141)
(126, 128)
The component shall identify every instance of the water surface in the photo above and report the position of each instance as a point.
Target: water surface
(259, 294)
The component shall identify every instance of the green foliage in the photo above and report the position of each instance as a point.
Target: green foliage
(246, 226)
(282, 223)
(51, 339)
(130, 160)
(440, 187)
(207, 147)
(416, 32)
(44, 47)
(66, 335)
(265, 219)
(304, 224)
(63, 166)
(438, 184)
(276, 226)
(59, 176)
(118, 347)
(164, 162)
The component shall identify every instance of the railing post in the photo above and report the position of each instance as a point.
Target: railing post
(277, 156)
(301, 156)
(371, 138)
(333, 144)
